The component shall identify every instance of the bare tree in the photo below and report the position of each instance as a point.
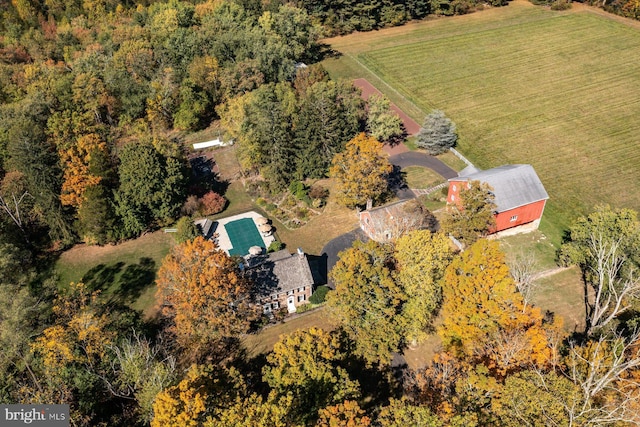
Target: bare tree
(12, 208)
(600, 370)
(522, 266)
(614, 281)
(605, 245)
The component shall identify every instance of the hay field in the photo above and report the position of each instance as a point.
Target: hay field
(558, 90)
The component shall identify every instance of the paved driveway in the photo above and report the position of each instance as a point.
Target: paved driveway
(415, 158)
(338, 244)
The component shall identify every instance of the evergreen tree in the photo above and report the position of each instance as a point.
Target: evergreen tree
(438, 133)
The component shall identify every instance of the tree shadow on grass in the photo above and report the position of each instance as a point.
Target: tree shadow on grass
(101, 276)
(134, 279)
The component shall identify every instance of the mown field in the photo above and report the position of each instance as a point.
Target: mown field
(558, 90)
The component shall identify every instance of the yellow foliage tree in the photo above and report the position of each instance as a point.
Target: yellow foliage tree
(182, 405)
(360, 171)
(367, 301)
(307, 363)
(485, 318)
(253, 411)
(203, 390)
(422, 258)
(203, 296)
(79, 335)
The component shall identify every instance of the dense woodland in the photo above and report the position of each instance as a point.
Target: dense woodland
(95, 98)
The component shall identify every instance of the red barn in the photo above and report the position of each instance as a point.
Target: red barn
(519, 194)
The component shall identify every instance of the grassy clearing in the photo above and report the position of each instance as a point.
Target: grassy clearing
(125, 272)
(558, 90)
(563, 295)
(420, 177)
(263, 341)
(452, 161)
(535, 243)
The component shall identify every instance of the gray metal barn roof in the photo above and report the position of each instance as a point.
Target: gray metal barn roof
(513, 185)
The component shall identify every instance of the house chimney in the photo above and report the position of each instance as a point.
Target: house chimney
(300, 253)
(369, 204)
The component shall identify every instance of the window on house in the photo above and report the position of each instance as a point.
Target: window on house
(514, 218)
(276, 305)
(290, 292)
(455, 188)
(301, 289)
(453, 198)
(274, 296)
(301, 298)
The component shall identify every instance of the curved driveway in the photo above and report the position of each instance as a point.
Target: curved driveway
(340, 243)
(402, 160)
(415, 158)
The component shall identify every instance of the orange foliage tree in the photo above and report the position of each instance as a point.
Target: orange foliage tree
(77, 168)
(203, 295)
(346, 414)
(485, 318)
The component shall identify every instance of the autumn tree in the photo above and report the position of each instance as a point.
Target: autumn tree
(254, 411)
(77, 176)
(437, 134)
(537, 398)
(605, 372)
(361, 171)
(203, 296)
(70, 353)
(345, 414)
(605, 246)
(367, 301)
(307, 364)
(484, 318)
(187, 403)
(422, 257)
(401, 413)
(382, 123)
(472, 217)
(212, 203)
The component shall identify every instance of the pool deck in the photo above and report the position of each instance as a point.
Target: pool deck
(222, 238)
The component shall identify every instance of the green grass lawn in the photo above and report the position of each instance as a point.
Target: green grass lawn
(558, 90)
(263, 341)
(536, 244)
(421, 177)
(125, 272)
(563, 295)
(452, 161)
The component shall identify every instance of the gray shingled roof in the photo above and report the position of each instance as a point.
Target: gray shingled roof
(281, 272)
(513, 185)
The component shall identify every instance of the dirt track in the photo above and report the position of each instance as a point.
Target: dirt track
(368, 89)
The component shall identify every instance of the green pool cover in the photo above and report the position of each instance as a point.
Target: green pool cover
(243, 234)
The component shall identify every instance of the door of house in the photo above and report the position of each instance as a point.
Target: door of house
(290, 305)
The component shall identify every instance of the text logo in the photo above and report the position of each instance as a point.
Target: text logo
(34, 415)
